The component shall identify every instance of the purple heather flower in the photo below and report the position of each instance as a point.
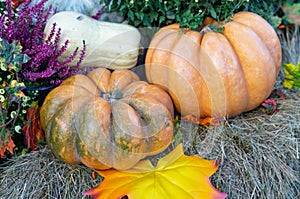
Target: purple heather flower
(28, 28)
(99, 13)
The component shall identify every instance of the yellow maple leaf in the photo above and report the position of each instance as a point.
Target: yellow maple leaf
(176, 176)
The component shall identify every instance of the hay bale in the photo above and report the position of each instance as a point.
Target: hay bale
(39, 175)
(258, 153)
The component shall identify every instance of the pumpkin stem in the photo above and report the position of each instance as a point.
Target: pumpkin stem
(205, 30)
(111, 97)
(211, 25)
(212, 28)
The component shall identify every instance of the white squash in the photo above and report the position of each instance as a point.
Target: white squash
(109, 45)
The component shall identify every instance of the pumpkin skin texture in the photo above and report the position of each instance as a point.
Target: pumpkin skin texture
(109, 45)
(210, 74)
(107, 119)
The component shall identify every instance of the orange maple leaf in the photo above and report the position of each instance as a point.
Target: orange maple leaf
(208, 121)
(32, 129)
(6, 145)
(176, 176)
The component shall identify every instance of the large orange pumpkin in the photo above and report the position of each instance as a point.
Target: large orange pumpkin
(211, 74)
(106, 119)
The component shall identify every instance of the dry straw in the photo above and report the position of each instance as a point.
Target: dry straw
(258, 153)
(39, 175)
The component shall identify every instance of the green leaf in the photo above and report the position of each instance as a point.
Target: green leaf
(213, 12)
(161, 19)
(292, 75)
(170, 15)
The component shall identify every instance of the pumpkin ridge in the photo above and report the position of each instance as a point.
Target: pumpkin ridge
(258, 54)
(134, 87)
(102, 74)
(151, 51)
(128, 134)
(151, 90)
(119, 79)
(228, 66)
(119, 108)
(93, 130)
(63, 144)
(183, 62)
(156, 120)
(49, 108)
(213, 111)
(265, 31)
(261, 38)
(76, 81)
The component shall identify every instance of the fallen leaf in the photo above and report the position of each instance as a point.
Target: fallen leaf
(32, 129)
(16, 3)
(280, 94)
(270, 106)
(6, 145)
(208, 121)
(176, 176)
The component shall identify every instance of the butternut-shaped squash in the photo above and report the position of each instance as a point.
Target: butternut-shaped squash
(109, 45)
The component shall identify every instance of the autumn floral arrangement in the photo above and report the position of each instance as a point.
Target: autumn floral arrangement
(29, 63)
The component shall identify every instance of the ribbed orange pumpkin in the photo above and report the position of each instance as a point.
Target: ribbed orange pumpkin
(106, 119)
(210, 74)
